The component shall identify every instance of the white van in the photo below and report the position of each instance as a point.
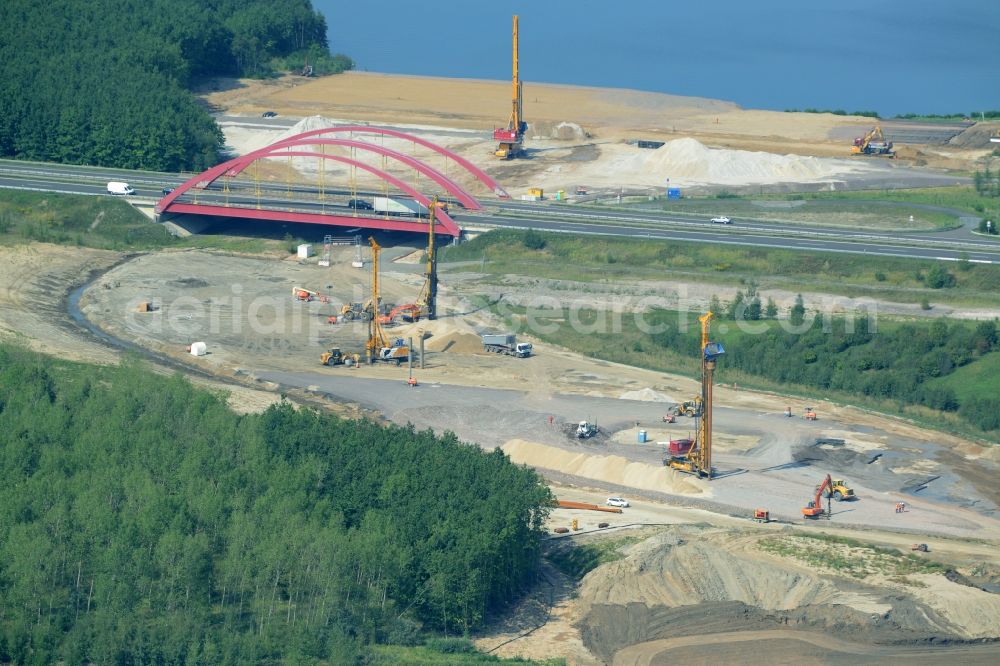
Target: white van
(115, 187)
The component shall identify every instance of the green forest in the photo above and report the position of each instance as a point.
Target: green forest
(143, 521)
(106, 83)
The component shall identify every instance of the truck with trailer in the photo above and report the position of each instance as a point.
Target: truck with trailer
(506, 344)
(390, 206)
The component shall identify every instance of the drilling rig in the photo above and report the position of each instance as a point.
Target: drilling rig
(511, 140)
(699, 459)
(378, 348)
(427, 300)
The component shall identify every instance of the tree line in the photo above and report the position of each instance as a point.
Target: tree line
(896, 362)
(143, 521)
(106, 83)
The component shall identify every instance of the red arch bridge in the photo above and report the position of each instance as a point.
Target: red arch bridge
(241, 188)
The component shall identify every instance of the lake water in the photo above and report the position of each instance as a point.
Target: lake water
(889, 56)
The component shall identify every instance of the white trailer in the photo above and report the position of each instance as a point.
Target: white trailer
(390, 206)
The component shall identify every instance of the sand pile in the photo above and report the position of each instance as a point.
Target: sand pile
(667, 571)
(458, 342)
(646, 395)
(687, 162)
(562, 130)
(690, 159)
(610, 469)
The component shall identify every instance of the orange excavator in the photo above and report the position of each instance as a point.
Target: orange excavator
(408, 311)
(815, 507)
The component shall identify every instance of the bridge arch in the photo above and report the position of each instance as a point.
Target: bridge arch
(450, 186)
(480, 175)
(239, 164)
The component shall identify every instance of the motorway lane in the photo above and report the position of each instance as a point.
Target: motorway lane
(733, 236)
(635, 224)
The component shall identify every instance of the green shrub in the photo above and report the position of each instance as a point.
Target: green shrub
(533, 240)
(451, 645)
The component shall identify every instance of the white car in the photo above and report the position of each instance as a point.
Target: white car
(722, 219)
(620, 502)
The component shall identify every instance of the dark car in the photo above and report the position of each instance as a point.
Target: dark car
(268, 114)
(167, 190)
(359, 204)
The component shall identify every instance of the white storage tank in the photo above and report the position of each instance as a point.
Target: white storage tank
(199, 349)
(305, 250)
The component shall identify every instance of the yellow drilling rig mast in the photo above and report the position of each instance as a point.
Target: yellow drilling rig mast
(510, 140)
(378, 348)
(699, 459)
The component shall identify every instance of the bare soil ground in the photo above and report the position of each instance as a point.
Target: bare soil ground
(578, 135)
(697, 583)
(669, 583)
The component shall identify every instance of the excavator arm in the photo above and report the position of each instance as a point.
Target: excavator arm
(815, 507)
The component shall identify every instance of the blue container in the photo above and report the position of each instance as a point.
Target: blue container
(642, 436)
(673, 193)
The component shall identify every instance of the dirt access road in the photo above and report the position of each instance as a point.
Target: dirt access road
(587, 624)
(243, 308)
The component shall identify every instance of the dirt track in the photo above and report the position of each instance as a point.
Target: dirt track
(33, 305)
(698, 587)
(765, 459)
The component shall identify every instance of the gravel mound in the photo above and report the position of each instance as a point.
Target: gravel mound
(690, 159)
(646, 395)
(669, 572)
(607, 468)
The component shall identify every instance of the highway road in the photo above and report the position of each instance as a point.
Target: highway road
(950, 245)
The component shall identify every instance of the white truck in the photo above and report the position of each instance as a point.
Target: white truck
(506, 344)
(117, 188)
(390, 206)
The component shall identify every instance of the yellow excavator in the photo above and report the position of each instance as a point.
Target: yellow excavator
(873, 143)
(690, 407)
(839, 490)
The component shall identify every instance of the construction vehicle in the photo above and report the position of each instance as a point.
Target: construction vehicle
(511, 139)
(810, 414)
(670, 418)
(840, 491)
(360, 311)
(920, 548)
(690, 407)
(409, 312)
(307, 295)
(873, 143)
(427, 299)
(698, 459)
(815, 507)
(761, 515)
(390, 206)
(377, 347)
(332, 356)
(586, 430)
(506, 344)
